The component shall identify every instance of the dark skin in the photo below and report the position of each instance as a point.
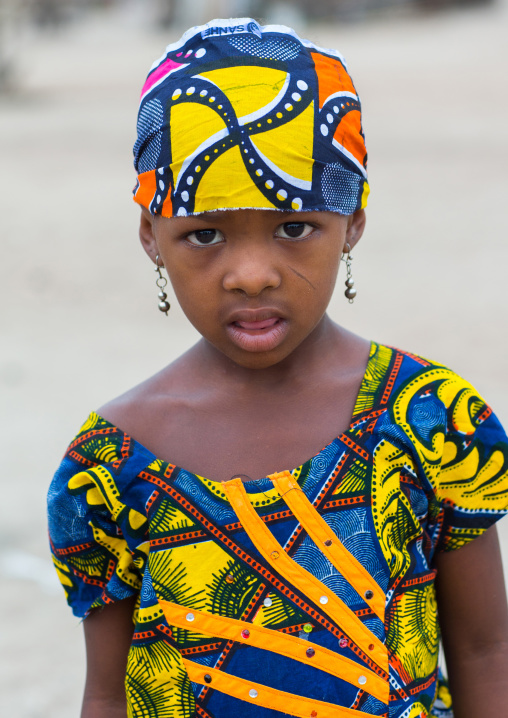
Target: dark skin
(235, 400)
(239, 395)
(474, 623)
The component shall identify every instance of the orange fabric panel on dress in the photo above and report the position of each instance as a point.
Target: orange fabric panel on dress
(348, 135)
(147, 188)
(266, 697)
(326, 540)
(309, 585)
(332, 77)
(277, 642)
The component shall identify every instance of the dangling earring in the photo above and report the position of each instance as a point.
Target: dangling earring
(350, 292)
(161, 282)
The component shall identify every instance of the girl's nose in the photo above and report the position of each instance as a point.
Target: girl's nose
(251, 271)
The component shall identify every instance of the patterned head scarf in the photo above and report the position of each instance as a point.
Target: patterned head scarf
(237, 115)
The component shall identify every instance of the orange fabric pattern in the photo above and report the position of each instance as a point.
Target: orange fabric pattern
(347, 135)
(281, 643)
(332, 77)
(277, 557)
(323, 536)
(285, 703)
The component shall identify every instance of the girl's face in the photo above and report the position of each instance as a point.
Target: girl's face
(254, 283)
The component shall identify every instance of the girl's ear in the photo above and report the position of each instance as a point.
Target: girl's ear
(146, 234)
(356, 225)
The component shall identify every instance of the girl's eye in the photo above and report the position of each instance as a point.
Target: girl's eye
(205, 237)
(294, 230)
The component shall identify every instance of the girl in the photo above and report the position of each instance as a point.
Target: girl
(312, 591)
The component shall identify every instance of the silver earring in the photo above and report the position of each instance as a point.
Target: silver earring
(350, 292)
(161, 282)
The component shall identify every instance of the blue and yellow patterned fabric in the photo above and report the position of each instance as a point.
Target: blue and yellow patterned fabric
(239, 115)
(310, 593)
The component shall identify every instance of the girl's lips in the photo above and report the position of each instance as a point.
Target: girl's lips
(264, 324)
(260, 336)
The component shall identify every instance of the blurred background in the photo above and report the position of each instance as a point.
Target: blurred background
(79, 319)
(16, 15)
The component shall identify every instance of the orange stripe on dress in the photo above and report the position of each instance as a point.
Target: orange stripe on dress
(266, 697)
(296, 575)
(268, 639)
(326, 540)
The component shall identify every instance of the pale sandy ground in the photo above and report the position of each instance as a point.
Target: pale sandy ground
(79, 321)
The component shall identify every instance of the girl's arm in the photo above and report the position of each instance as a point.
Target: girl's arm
(474, 622)
(108, 635)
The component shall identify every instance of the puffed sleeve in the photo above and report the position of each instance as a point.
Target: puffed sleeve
(463, 454)
(98, 537)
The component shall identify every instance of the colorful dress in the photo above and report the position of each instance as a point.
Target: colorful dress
(309, 593)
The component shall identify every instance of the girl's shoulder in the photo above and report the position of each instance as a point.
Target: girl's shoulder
(110, 441)
(421, 404)
(162, 397)
(396, 379)
(432, 437)
(425, 399)
(409, 389)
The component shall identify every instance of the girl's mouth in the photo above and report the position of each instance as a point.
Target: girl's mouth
(263, 324)
(258, 336)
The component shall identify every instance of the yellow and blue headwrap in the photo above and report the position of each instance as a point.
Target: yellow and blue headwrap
(237, 115)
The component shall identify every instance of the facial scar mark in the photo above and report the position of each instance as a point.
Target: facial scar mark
(302, 277)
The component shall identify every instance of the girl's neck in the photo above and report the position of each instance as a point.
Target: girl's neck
(327, 344)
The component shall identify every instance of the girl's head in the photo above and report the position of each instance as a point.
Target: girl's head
(252, 178)
(235, 115)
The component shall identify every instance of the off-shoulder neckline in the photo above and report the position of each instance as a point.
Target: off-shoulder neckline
(360, 397)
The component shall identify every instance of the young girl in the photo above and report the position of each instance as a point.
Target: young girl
(265, 589)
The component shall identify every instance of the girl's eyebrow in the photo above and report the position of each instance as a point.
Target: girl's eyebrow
(213, 217)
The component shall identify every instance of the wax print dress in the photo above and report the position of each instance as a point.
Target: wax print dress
(310, 593)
